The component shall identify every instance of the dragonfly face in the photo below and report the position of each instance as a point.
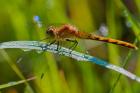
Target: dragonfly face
(50, 31)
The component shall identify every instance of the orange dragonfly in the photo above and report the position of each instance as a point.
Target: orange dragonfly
(69, 32)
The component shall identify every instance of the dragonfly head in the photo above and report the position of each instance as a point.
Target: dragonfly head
(50, 31)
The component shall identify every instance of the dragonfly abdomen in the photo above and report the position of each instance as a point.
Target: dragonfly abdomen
(110, 40)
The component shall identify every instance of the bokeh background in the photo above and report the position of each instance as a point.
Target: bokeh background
(117, 19)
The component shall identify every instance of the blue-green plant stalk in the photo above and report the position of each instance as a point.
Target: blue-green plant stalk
(43, 46)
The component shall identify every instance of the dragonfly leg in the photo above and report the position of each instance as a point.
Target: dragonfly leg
(58, 46)
(45, 47)
(75, 43)
(52, 42)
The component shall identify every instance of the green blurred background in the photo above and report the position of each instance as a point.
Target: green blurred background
(62, 74)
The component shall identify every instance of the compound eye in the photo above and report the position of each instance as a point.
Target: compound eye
(50, 31)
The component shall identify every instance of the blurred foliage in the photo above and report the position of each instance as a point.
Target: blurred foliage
(62, 74)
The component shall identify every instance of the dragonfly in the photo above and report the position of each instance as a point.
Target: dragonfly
(68, 32)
